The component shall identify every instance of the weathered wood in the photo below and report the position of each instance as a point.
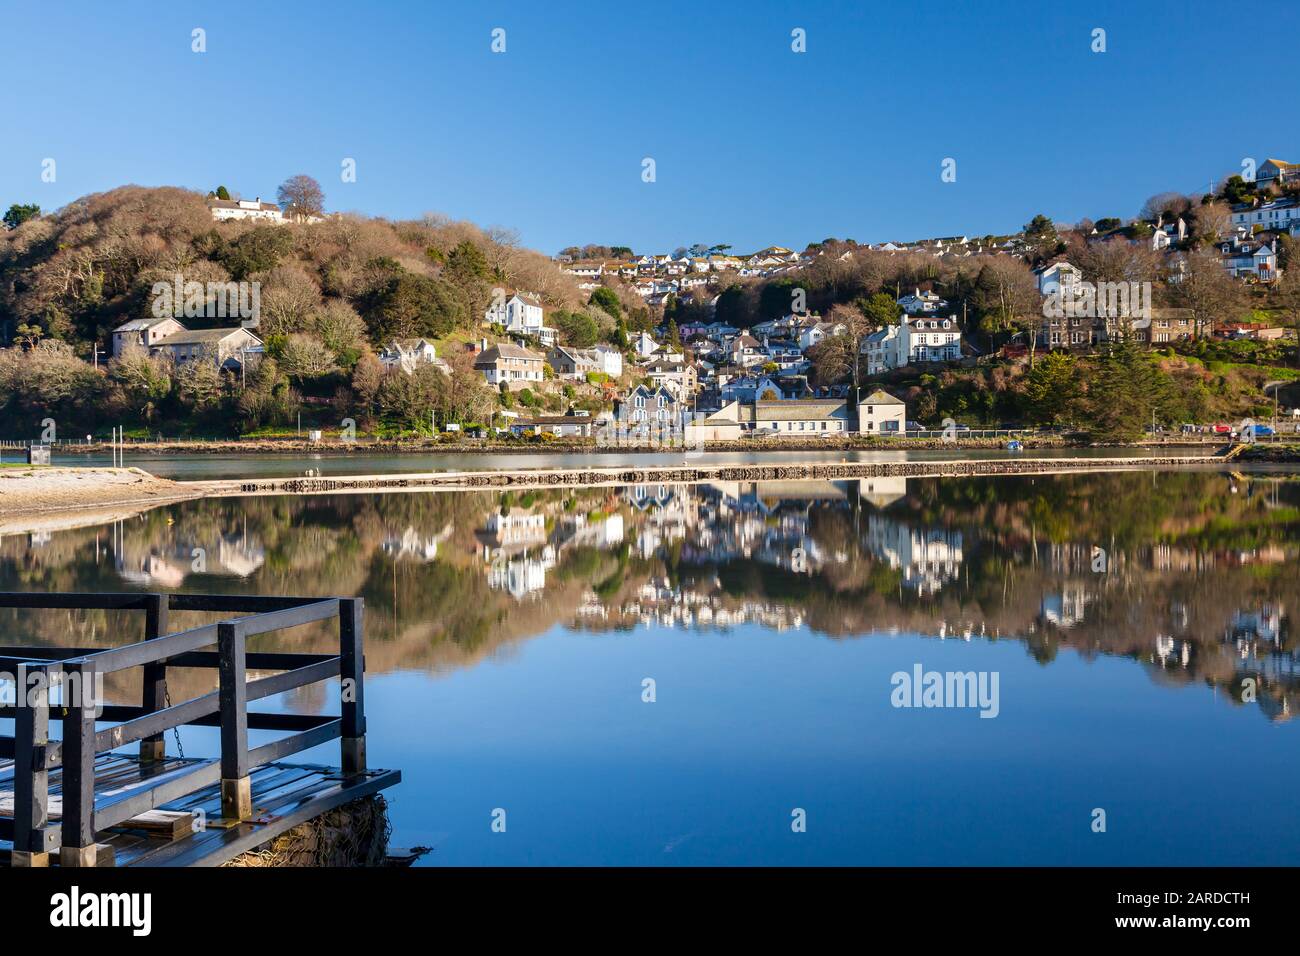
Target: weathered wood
(78, 830)
(154, 747)
(234, 701)
(352, 675)
(70, 795)
(168, 824)
(31, 794)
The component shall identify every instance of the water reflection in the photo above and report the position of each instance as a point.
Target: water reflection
(1197, 583)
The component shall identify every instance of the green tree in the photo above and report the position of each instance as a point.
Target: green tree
(1127, 392)
(223, 192)
(881, 309)
(18, 214)
(1052, 389)
(576, 328)
(606, 299)
(1042, 238)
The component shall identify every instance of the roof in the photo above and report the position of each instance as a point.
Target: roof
(504, 350)
(236, 204)
(799, 409)
(140, 325)
(203, 337)
(880, 397)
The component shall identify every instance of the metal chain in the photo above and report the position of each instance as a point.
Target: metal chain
(180, 751)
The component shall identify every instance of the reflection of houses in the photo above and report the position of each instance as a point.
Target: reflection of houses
(515, 550)
(1172, 651)
(235, 554)
(515, 530)
(1066, 608)
(415, 545)
(928, 559)
(882, 492)
(521, 576)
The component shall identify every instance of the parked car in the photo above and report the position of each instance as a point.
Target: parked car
(1260, 431)
(915, 427)
(1221, 429)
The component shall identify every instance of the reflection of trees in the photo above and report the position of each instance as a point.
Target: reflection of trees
(1185, 552)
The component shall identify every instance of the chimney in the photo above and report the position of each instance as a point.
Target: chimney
(482, 344)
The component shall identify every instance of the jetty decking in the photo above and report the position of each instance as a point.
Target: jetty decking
(689, 472)
(96, 805)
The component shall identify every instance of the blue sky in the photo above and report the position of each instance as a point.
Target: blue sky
(753, 144)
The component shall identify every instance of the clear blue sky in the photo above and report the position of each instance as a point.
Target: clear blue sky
(754, 144)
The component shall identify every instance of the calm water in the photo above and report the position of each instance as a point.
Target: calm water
(510, 639)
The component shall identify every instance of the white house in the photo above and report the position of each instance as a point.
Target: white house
(932, 339)
(521, 314)
(410, 354)
(810, 335)
(922, 303)
(610, 360)
(881, 348)
(644, 344)
(226, 210)
(144, 332)
(1060, 277)
(1246, 258)
(1279, 214)
(882, 414)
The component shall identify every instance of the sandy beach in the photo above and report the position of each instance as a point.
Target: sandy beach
(29, 490)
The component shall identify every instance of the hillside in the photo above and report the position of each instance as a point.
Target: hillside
(331, 292)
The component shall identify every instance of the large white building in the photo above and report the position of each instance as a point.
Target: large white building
(521, 314)
(226, 210)
(1278, 214)
(932, 339)
(915, 339)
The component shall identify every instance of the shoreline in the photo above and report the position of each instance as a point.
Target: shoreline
(468, 446)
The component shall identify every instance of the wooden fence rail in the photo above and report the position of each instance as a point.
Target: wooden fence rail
(77, 670)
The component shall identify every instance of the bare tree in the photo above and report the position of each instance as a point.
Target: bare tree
(1006, 291)
(1205, 288)
(300, 197)
(839, 355)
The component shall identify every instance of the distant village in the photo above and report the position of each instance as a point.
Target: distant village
(659, 352)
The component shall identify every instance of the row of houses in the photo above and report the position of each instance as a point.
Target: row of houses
(657, 410)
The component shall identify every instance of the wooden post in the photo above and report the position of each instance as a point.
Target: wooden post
(155, 675)
(31, 781)
(236, 788)
(352, 676)
(78, 836)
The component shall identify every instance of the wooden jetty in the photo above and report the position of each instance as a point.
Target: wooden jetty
(82, 800)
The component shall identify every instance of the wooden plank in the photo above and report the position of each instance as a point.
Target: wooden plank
(168, 824)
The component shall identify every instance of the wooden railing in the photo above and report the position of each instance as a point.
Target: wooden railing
(79, 670)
